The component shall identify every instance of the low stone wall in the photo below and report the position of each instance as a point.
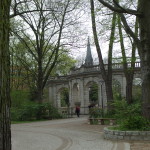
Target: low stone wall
(126, 135)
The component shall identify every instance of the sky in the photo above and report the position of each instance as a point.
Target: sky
(86, 27)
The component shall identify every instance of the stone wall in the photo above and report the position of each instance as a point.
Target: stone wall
(126, 135)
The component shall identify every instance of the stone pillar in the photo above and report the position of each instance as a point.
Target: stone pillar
(52, 95)
(86, 99)
(70, 93)
(104, 96)
(58, 100)
(81, 95)
(99, 96)
(71, 98)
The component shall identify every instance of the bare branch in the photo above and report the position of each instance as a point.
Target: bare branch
(119, 9)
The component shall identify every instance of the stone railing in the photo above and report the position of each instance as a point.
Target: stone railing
(126, 135)
(58, 78)
(97, 67)
(120, 65)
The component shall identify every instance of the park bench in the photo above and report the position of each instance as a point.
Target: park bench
(101, 121)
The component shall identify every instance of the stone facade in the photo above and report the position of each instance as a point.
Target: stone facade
(78, 83)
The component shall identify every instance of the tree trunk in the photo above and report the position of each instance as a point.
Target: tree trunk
(107, 76)
(144, 24)
(5, 132)
(129, 80)
(143, 14)
(109, 93)
(40, 78)
(109, 90)
(129, 72)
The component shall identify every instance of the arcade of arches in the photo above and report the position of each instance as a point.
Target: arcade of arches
(85, 84)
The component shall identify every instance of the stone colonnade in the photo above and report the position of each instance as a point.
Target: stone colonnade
(78, 87)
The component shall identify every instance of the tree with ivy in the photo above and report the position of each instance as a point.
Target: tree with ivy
(141, 10)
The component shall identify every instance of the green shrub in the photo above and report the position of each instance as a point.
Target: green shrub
(123, 111)
(95, 112)
(34, 111)
(15, 114)
(129, 117)
(19, 98)
(94, 122)
(135, 123)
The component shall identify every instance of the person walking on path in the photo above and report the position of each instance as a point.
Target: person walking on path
(77, 111)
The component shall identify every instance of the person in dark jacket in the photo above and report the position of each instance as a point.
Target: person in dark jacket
(77, 111)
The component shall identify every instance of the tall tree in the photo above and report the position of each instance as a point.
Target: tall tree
(128, 71)
(106, 75)
(143, 43)
(5, 132)
(47, 29)
(24, 67)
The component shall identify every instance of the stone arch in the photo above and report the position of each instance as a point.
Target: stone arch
(91, 79)
(75, 94)
(58, 96)
(64, 97)
(116, 86)
(137, 88)
(88, 88)
(121, 81)
(78, 84)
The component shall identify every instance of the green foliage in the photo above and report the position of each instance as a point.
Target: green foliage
(129, 117)
(95, 112)
(94, 122)
(64, 63)
(135, 123)
(122, 110)
(19, 97)
(64, 97)
(116, 88)
(137, 92)
(34, 111)
(93, 93)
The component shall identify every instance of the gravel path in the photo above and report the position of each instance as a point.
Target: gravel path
(64, 134)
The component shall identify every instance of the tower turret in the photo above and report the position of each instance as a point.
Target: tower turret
(88, 59)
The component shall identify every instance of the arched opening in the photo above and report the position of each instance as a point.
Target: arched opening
(116, 88)
(75, 94)
(137, 88)
(92, 93)
(64, 97)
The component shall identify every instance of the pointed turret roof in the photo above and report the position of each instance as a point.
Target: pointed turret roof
(88, 59)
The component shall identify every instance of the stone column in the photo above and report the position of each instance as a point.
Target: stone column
(99, 96)
(71, 98)
(70, 93)
(81, 95)
(58, 100)
(104, 96)
(52, 95)
(86, 99)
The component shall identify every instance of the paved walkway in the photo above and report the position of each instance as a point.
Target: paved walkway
(66, 134)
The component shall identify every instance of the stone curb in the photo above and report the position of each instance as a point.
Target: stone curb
(126, 135)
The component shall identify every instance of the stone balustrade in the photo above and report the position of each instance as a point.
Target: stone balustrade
(95, 68)
(115, 66)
